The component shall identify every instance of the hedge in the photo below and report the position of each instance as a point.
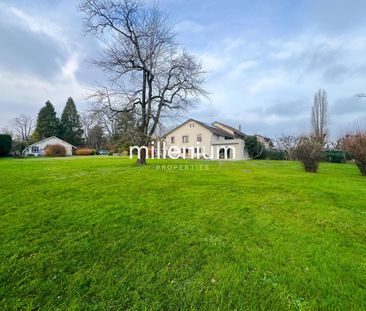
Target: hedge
(5, 145)
(85, 151)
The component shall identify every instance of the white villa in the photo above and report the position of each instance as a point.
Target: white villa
(37, 149)
(216, 141)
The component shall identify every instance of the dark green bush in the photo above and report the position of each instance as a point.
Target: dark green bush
(334, 156)
(255, 148)
(5, 145)
(275, 155)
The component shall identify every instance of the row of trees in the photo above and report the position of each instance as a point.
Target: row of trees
(68, 127)
(97, 128)
(25, 129)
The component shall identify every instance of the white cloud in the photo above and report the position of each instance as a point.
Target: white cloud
(242, 68)
(37, 24)
(26, 90)
(249, 77)
(213, 62)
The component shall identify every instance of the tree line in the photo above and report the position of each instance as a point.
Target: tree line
(96, 128)
(68, 127)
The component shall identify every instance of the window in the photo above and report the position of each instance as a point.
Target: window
(184, 139)
(222, 153)
(35, 149)
(199, 137)
(172, 139)
(191, 125)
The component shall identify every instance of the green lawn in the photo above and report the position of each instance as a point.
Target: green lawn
(104, 234)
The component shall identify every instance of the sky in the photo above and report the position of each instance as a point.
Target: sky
(265, 59)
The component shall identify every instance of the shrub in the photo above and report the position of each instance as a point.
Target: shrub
(55, 151)
(85, 151)
(276, 155)
(355, 144)
(255, 148)
(18, 147)
(309, 152)
(334, 156)
(5, 145)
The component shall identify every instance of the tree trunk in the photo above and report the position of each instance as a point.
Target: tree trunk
(362, 168)
(142, 159)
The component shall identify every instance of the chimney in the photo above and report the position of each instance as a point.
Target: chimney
(240, 127)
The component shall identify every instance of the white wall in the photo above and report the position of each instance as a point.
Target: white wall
(192, 130)
(42, 145)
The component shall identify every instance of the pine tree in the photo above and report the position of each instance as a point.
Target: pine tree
(47, 122)
(70, 126)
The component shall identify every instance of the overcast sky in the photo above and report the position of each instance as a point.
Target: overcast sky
(265, 59)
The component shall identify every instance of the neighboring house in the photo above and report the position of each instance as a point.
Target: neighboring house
(37, 149)
(216, 141)
(265, 141)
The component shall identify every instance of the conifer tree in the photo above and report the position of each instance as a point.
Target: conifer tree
(47, 122)
(70, 125)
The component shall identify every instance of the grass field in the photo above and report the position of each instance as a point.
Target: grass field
(103, 234)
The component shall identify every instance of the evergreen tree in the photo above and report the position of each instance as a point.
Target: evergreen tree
(70, 126)
(255, 149)
(47, 122)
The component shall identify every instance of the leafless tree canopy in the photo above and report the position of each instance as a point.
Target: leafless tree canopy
(149, 74)
(88, 121)
(355, 144)
(319, 115)
(24, 126)
(288, 144)
(309, 152)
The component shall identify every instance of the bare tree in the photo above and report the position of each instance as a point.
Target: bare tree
(88, 121)
(23, 125)
(149, 74)
(287, 143)
(355, 144)
(309, 152)
(106, 118)
(319, 115)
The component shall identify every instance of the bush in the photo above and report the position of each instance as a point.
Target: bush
(85, 151)
(55, 151)
(255, 148)
(334, 156)
(355, 145)
(276, 155)
(5, 145)
(18, 147)
(309, 152)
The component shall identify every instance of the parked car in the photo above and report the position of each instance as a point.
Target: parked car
(103, 152)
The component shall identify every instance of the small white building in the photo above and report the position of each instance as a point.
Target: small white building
(216, 141)
(37, 149)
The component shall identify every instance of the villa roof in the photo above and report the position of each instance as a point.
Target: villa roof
(214, 130)
(236, 131)
(52, 137)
